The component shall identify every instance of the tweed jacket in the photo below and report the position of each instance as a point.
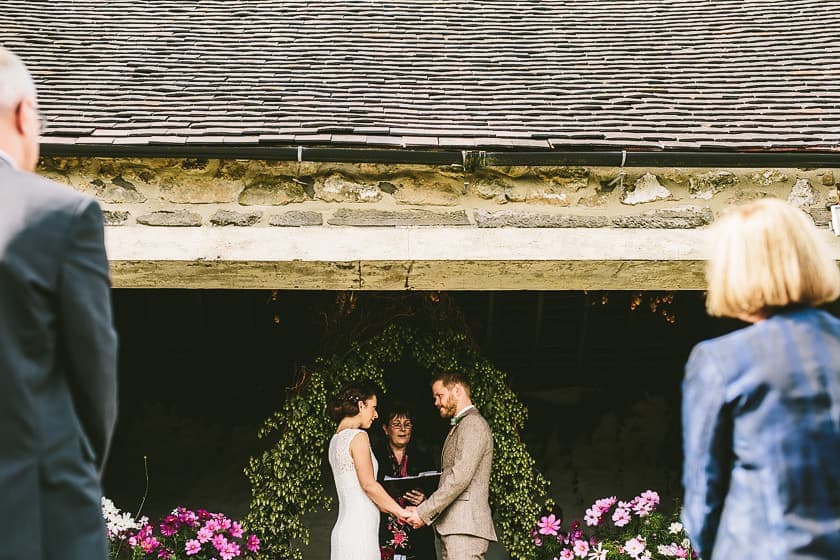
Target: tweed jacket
(58, 370)
(461, 505)
(761, 435)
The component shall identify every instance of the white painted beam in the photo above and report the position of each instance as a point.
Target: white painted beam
(338, 258)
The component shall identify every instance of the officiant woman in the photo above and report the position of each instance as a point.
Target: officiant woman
(398, 457)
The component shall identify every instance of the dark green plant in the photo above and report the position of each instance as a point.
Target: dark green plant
(286, 479)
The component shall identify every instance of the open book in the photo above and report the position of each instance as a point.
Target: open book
(426, 482)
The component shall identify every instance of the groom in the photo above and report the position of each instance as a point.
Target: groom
(459, 508)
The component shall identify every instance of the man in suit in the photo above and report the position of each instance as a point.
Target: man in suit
(58, 348)
(459, 509)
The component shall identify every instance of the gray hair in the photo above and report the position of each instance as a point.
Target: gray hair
(15, 81)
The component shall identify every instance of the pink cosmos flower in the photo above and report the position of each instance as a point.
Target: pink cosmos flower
(253, 543)
(236, 530)
(192, 547)
(224, 522)
(168, 529)
(592, 517)
(164, 554)
(567, 554)
(549, 525)
(148, 544)
(651, 497)
(605, 503)
(187, 517)
(643, 508)
(213, 525)
(219, 542)
(231, 550)
(204, 535)
(621, 517)
(581, 548)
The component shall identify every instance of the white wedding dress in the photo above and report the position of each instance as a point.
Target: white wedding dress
(356, 533)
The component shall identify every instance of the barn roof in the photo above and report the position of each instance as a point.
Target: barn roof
(431, 74)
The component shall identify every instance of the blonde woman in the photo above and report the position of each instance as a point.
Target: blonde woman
(761, 406)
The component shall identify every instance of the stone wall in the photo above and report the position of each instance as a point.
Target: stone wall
(238, 193)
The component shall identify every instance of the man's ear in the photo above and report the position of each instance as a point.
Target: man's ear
(20, 117)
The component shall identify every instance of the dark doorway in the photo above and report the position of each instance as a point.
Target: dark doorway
(599, 372)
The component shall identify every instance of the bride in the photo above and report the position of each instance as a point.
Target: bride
(356, 533)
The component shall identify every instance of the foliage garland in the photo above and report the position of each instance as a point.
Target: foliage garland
(286, 479)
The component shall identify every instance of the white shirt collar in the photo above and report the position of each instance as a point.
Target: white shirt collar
(463, 410)
(5, 157)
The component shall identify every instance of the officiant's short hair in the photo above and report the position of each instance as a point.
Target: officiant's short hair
(450, 378)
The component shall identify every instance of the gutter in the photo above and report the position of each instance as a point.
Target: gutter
(469, 159)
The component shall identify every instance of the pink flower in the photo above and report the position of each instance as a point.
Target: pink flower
(231, 550)
(192, 547)
(236, 530)
(253, 543)
(549, 525)
(219, 542)
(168, 529)
(592, 517)
(187, 517)
(224, 522)
(621, 517)
(567, 554)
(581, 548)
(605, 503)
(213, 525)
(204, 535)
(148, 544)
(202, 513)
(651, 497)
(643, 508)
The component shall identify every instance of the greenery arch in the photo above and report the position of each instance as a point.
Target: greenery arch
(286, 479)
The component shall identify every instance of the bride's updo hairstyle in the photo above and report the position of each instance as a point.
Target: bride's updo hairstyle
(346, 403)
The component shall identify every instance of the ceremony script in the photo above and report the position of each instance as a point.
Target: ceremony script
(426, 482)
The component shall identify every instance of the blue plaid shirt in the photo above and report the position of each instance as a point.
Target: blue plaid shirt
(761, 437)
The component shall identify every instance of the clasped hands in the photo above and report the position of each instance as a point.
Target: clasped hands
(412, 518)
(413, 497)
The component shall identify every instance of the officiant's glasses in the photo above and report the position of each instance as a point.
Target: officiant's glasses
(400, 425)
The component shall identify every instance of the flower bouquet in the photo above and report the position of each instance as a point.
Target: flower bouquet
(181, 535)
(615, 530)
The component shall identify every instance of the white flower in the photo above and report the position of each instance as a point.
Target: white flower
(645, 555)
(117, 522)
(686, 543)
(598, 553)
(635, 546)
(675, 528)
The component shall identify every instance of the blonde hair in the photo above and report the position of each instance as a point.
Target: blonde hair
(15, 81)
(767, 255)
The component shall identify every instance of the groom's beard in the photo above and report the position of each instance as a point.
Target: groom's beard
(449, 408)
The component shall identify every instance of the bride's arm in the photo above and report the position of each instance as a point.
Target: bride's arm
(360, 451)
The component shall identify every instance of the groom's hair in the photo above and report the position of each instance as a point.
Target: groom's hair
(450, 378)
